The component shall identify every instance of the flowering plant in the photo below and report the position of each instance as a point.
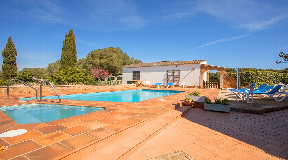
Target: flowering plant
(100, 74)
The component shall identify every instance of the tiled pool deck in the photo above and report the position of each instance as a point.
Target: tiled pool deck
(221, 136)
(101, 135)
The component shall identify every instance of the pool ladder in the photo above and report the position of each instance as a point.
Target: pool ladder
(51, 86)
(33, 88)
(19, 81)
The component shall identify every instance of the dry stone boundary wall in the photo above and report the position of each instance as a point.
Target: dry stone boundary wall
(61, 88)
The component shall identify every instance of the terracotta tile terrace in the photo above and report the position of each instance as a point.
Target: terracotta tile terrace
(123, 130)
(64, 138)
(215, 135)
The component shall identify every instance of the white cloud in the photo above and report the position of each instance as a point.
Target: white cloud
(258, 26)
(87, 42)
(248, 14)
(176, 15)
(232, 10)
(134, 21)
(44, 10)
(222, 40)
(96, 14)
(277, 50)
(120, 14)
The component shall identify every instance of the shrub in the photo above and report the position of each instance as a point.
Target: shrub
(195, 93)
(71, 75)
(260, 77)
(218, 101)
(27, 73)
(188, 99)
(207, 100)
(225, 101)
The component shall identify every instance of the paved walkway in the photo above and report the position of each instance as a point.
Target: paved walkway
(214, 135)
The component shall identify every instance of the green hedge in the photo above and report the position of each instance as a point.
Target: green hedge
(261, 77)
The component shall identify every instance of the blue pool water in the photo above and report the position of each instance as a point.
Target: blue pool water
(117, 96)
(39, 113)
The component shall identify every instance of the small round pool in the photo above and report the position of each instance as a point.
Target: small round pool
(39, 113)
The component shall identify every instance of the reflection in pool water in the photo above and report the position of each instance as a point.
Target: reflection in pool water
(39, 113)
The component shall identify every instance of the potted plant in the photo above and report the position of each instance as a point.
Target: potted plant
(217, 100)
(196, 97)
(207, 100)
(221, 105)
(225, 101)
(187, 102)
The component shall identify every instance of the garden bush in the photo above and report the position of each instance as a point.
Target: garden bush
(260, 77)
(71, 75)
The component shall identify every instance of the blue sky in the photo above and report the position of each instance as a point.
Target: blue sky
(227, 33)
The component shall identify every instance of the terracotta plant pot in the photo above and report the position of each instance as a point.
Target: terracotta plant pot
(187, 103)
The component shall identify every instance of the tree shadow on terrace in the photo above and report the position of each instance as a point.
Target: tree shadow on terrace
(268, 132)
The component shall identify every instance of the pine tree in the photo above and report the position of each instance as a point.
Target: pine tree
(9, 67)
(69, 53)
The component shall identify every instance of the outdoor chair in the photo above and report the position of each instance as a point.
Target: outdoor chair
(157, 85)
(233, 90)
(248, 93)
(147, 83)
(182, 84)
(274, 92)
(243, 92)
(252, 85)
(284, 88)
(261, 88)
(169, 84)
(265, 89)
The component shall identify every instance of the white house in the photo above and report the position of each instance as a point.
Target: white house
(165, 72)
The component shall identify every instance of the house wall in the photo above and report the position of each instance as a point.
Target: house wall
(188, 73)
(205, 76)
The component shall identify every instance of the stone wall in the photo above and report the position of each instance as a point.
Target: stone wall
(62, 88)
(229, 82)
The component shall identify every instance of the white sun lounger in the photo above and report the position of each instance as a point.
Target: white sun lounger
(274, 93)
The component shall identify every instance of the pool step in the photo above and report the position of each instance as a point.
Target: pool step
(126, 145)
(107, 140)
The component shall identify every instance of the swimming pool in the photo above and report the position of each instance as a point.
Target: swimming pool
(39, 113)
(117, 96)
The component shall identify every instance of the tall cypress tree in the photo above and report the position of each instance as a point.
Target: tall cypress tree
(69, 53)
(9, 67)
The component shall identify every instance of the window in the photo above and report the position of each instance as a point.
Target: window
(136, 75)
